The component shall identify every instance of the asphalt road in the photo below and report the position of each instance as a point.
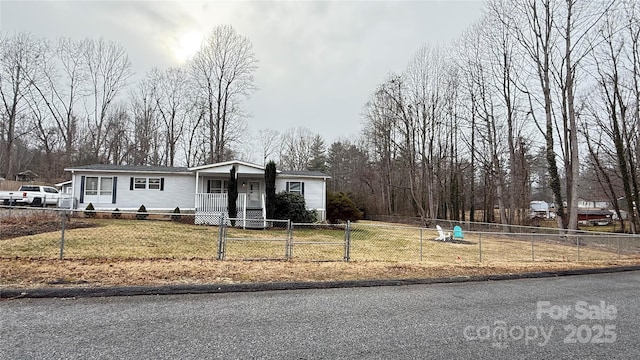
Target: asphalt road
(585, 317)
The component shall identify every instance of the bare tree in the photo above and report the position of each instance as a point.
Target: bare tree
(612, 112)
(423, 124)
(380, 132)
(146, 134)
(117, 132)
(174, 106)
(19, 58)
(553, 36)
(223, 72)
(108, 68)
(61, 90)
(297, 149)
(269, 141)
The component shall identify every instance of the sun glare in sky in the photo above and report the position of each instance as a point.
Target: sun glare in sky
(186, 44)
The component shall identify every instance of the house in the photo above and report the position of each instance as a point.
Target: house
(202, 189)
(593, 204)
(594, 217)
(27, 176)
(65, 187)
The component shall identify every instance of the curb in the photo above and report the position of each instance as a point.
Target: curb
(274, 286)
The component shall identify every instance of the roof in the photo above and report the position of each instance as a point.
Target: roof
(60, 184)
(185, 170)
(28, 173)
(593, 212)
(227, 163)
(129, 168)
(304, 173)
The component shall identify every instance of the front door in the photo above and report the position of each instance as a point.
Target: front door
(253, 195)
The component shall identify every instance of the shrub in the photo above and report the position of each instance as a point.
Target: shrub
(341, 207)
(176, 217)
(90, 211)
(116, 214)
(142, 213)
(290, 206)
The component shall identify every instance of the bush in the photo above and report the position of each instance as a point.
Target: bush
(89, 211)
(142, 213)
(290, 206)
(176, 217)
(116, 214)
(341, 207)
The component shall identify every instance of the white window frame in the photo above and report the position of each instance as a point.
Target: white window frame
(147, 183)
(299, 190)
(99, 191)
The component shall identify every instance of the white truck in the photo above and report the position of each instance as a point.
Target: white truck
(33, 195)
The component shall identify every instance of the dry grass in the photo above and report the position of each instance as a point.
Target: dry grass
(25, 273)
(129, 252)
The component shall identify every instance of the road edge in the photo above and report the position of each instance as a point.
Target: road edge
(80, 292)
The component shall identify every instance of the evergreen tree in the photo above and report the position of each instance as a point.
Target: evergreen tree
(318, 160)
(232, 195)
(270, 184)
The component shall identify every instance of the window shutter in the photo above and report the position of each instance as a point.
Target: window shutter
(113, 191)
(287, 187)
(131, 183)
(208, 186)
(81, 189)
(302, 184)
(161, 184)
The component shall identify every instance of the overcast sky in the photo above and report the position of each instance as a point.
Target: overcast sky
(318, 60)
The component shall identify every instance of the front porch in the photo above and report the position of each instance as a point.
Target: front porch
(211, 198)
(211, 209)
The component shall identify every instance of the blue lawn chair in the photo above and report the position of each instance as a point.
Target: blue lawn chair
(457, 233)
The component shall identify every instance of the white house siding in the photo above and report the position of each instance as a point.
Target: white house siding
(314, 192)
(179, 186)
(178, 191)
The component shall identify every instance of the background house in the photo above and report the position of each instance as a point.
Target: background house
(593, 204)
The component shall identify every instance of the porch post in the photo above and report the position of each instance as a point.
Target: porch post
(244, 208)
(195, 195)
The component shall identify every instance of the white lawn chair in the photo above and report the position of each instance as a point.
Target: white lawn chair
(441, 235)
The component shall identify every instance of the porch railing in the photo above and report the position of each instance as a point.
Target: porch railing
(211, 208)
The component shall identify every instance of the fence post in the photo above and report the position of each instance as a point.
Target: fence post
(578, 245)
(289, 248)
(347, 242)
(64, 221)
(480, 245)
(618, 247)
(221, 237)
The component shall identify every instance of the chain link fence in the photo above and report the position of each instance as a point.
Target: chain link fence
(56, 233)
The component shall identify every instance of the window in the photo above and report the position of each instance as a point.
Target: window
(106, 186)
(296, 187)
(143, 183)
(154, 183)
(96, 185)
(140, 183)
(50, 190)
(91, 185)
(217, 186)
(98, 189)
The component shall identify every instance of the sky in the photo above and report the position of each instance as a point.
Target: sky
(319, 61)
